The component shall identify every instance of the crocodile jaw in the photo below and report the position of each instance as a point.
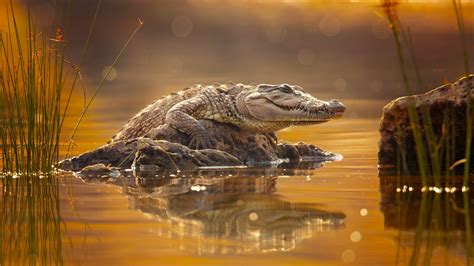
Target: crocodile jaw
(307, 111)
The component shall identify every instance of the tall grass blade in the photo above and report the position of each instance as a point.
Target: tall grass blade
(99, 87)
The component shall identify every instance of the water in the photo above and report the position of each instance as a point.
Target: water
(339, 213)
(327, 216)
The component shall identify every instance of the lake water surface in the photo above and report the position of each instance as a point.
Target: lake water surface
(332, 215)
(339, 213)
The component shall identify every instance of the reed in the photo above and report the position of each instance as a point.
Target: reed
(32, 83)
(434, 147)
(36, 92)
(389, 9)
(469, 117)
(440, 146)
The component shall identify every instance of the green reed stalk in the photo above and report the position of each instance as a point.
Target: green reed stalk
(101, 84)
(31, 85)
(433, 145)
(408, 37)
(390, 12)
(77, 67)
(469, 117)
(436, 146)
(462, 35)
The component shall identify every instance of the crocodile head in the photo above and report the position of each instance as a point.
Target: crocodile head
(273, 107)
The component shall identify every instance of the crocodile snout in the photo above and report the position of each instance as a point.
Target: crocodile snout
(337, 107)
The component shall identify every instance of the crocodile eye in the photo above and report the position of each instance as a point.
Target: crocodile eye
(285, 88)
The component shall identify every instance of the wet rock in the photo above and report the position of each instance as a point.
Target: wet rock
(99, 172)
(287, 150)
(117, 154)
(307, 151)
(445, 103)
(165, 148)
(248, 147)
(160, 155)
(302, 151)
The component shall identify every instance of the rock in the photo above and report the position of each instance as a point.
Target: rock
(117, 154)
(165, 148)
(99, 172)
(447, 102)
(302, 152)
(160, 155)
(248, 147)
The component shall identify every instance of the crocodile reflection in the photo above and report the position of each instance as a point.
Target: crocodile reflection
(226, 211)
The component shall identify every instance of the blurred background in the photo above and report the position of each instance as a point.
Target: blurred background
(334, 49)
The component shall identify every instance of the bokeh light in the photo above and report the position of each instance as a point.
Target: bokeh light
(112, 75)
(340, 84)
(348, 256)
(306, 56)
(355, 236)
(253, 216)
(182, 26)
(330, 26)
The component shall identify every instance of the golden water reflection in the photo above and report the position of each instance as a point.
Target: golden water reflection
(427, 221)
(269, 216)
(239, 206)
(30, 221)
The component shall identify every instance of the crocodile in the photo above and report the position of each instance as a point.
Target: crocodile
(260, 108)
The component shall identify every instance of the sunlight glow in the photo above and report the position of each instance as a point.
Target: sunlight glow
(371, 1)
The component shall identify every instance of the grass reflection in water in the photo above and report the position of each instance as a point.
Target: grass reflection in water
(30, 220)
(427, 220)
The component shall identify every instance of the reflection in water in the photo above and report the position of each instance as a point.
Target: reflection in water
(226, 211)
(30, 222)
(428, 221)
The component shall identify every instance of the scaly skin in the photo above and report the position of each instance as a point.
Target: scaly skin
(257, 108)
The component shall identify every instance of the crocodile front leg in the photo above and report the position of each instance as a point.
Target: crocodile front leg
(183, 117)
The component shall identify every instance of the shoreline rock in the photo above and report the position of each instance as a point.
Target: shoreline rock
(165, 148)
(445, 102)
